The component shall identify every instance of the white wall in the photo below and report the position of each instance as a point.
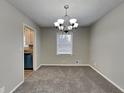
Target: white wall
(38, 48)
(107, 45)
(11, 45)
(80, 47)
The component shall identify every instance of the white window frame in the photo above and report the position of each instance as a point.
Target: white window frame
(59, 33)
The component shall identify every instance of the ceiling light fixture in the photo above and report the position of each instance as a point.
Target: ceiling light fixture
(66, 23)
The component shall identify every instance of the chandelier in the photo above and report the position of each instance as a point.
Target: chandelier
(66, 23)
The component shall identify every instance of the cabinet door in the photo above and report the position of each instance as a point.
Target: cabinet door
(31, 37)
(28, 36)
(28, 62)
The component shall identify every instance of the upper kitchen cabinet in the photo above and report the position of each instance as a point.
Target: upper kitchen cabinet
(28, 36)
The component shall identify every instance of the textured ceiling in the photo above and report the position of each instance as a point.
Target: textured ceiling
(46, 12)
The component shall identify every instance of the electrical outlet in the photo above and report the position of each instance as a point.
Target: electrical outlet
(2, 89)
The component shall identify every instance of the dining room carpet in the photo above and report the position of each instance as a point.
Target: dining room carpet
(62, 79)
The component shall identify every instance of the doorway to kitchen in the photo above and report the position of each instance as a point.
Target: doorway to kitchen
(29, 50)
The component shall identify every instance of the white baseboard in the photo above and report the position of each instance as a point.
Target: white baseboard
(74, 65)
(17, 87)
(37, 68)
(22, 81)
(107, 79)
(64, 64)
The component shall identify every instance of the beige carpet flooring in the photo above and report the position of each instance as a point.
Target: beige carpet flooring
(66, 80)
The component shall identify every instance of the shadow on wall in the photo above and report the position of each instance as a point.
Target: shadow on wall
(2, 89)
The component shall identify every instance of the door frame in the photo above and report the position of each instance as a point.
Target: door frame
(34, 48)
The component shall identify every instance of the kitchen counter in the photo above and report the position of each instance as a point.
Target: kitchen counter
(28, 53)
(28, 50)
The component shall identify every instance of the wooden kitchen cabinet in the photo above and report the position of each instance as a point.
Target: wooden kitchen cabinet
(28, 36)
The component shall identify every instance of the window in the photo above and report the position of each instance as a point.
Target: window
(64, 43)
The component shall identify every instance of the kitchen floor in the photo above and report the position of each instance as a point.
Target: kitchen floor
(28, 73)
(66, 80)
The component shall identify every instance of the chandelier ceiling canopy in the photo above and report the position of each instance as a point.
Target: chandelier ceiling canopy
(66, 23)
